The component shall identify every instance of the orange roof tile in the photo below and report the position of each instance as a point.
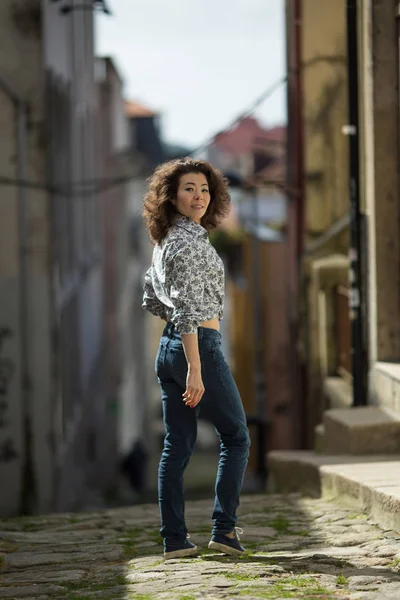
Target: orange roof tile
(134, 109)
(247, 133)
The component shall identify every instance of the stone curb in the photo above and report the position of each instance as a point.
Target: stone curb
(370, 483)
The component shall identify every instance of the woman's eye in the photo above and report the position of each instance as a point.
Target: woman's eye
(189, 189)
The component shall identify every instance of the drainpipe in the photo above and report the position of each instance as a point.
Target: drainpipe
(299, 140)
(259, 419)
(301, 375)
(28, 488)
(296, 212)
(358, 357)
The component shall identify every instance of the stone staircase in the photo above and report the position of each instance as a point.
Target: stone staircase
(362, 430)
(357, 460)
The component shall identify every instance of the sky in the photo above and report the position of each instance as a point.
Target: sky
(199, 64)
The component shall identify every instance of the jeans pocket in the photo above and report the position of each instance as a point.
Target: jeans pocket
(218, 357)
(157, 360)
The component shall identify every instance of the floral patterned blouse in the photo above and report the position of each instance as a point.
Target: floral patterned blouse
(185, 283)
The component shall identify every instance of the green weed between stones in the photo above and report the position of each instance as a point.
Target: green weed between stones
(341, 579)
(21, 524)
(154, 536)
(395, 563)
(129, 551)
(280, 524)
(157, 563)
(134, 533)
(89, 585)
(132, 536)
(306, 589)
(206, 551)
(238, 576)
(245, 555)
(298, 533)
(27, 527)
(202, 530)
(9, 546)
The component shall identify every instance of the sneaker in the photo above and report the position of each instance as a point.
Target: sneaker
(227, 545)
(187, 549)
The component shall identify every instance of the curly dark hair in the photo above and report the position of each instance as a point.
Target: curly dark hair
(159, 211)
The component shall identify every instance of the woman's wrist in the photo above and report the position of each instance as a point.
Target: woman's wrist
(194, 365)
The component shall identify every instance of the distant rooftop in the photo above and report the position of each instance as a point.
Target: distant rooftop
(246, 135)
(134, 109)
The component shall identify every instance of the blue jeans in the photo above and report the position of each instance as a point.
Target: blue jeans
(222, 406)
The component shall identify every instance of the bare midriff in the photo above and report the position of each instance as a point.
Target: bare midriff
(211, 324)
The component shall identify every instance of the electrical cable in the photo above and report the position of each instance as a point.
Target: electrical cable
(100, 185)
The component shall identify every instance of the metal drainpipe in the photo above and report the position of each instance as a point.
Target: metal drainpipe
(296, 170)
(28, 494)
(259, 419)
(299, 141)
(355, 256)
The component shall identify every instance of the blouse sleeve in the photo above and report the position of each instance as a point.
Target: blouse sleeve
(150, 300)
(185, 283)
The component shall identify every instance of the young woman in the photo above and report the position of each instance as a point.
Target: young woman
(185, 287)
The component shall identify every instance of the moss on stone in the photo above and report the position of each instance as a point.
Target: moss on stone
(341, 579)
(239, 576)
(280, 524)
(305, 589)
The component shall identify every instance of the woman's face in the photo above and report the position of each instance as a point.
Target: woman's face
(193, 196)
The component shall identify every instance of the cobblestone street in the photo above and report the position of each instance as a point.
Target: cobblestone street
(295, 548)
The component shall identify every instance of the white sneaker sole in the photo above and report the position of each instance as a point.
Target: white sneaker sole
(181, 553)
(224, 549)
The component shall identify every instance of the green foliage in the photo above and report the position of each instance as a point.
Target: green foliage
(341, 579)
(280, 523)
(304, 588)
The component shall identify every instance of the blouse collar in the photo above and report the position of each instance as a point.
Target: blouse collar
(191, 226)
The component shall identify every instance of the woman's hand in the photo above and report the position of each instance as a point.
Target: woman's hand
(194, 387)
(194, 383)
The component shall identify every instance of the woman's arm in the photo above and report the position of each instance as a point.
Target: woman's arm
(184, 278)
(150, 301)
(194, 383)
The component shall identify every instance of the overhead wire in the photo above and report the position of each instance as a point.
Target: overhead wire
(82, 189)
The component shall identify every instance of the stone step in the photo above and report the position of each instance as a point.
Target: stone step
(337, 392)
(362, 430)
(370, 483)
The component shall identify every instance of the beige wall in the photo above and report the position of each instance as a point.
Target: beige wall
(325, 112)
(326, 191)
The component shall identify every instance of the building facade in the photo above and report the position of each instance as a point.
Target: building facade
(343, 175)
(53, 404)
(319, 200)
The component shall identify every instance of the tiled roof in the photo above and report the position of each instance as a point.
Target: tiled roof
(134, 109)
(246, 135)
